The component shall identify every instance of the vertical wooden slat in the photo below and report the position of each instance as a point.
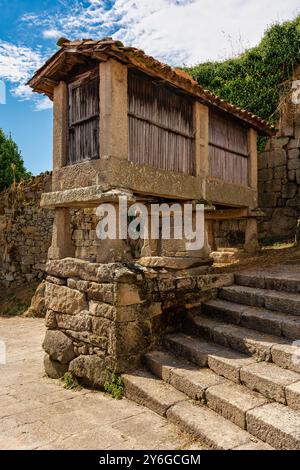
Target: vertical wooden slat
(228, 149)
(161, 130)
(83, 120)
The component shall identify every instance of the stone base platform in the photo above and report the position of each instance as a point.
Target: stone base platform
(101, 318)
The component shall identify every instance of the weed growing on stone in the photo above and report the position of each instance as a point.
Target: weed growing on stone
(70, 382)
(115, 386)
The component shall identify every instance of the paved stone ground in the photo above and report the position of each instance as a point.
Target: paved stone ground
(38, 413)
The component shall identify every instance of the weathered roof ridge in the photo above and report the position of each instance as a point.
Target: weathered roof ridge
(107, 47)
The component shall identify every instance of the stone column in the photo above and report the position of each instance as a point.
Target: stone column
(60, 125)
(201, 142)
(113, 110)
(209, 226)
(252, 161)
(62, 246)
(251, 239)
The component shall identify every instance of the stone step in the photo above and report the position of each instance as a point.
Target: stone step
(223, 361)
(212, 429)
(271, 348)
(287, 302)
(228, 399)
(275, 424)
(181, 374)
(271, 381)
(275, 278)
(145, 389)
(258, 318)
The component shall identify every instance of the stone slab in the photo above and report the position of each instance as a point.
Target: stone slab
(213, 430)
(268, 379)
(232, 401)
(275, 424)
(143, 388)
(292, 393)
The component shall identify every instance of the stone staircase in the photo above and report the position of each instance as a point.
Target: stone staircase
(232, 377)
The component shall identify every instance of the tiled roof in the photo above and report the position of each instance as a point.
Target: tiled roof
(43, 80)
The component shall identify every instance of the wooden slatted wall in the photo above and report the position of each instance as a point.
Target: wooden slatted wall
(84, 118)
(161, 132)
(228, 149)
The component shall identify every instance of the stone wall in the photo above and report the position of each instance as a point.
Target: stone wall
(102, 317)
(279, 183)
(25, 231)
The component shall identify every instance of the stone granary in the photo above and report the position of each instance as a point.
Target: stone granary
(126, 124)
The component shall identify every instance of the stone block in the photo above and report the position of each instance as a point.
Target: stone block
(268, 200)
(283, 221)
(79, 322)
(295, 202)
(265, 175)
(232, 401)
(127, 294)
(291, 175)
(62, 299)
(276, 158)
(90, 370)
(54, 369)
(280, 172)
(73, 268)
(292, 393)
(145, 389)
(294, 164)
(101, 292)
(101, 326)
(289, 190)
(268, 379)
(293, 144)
(294, 154)
(50, 320)
(58, 346)
(128, 338)
(275, 424)
(278, 142)
(212, 429)
(56, 280)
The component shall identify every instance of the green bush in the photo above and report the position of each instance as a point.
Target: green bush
(115, 386)
(255, 79)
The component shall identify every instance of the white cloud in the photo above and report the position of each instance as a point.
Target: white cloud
(177, 31)
(17, 64)
(43, 103)
(51, 34)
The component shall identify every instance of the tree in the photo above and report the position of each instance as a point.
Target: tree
(11, 163)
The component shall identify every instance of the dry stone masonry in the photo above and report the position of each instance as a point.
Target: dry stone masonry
(102, 317)
(25, 231)
(279, 183)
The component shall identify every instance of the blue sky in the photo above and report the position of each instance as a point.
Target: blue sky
(175, 31)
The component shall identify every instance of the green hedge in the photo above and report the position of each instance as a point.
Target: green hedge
(254, 80)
